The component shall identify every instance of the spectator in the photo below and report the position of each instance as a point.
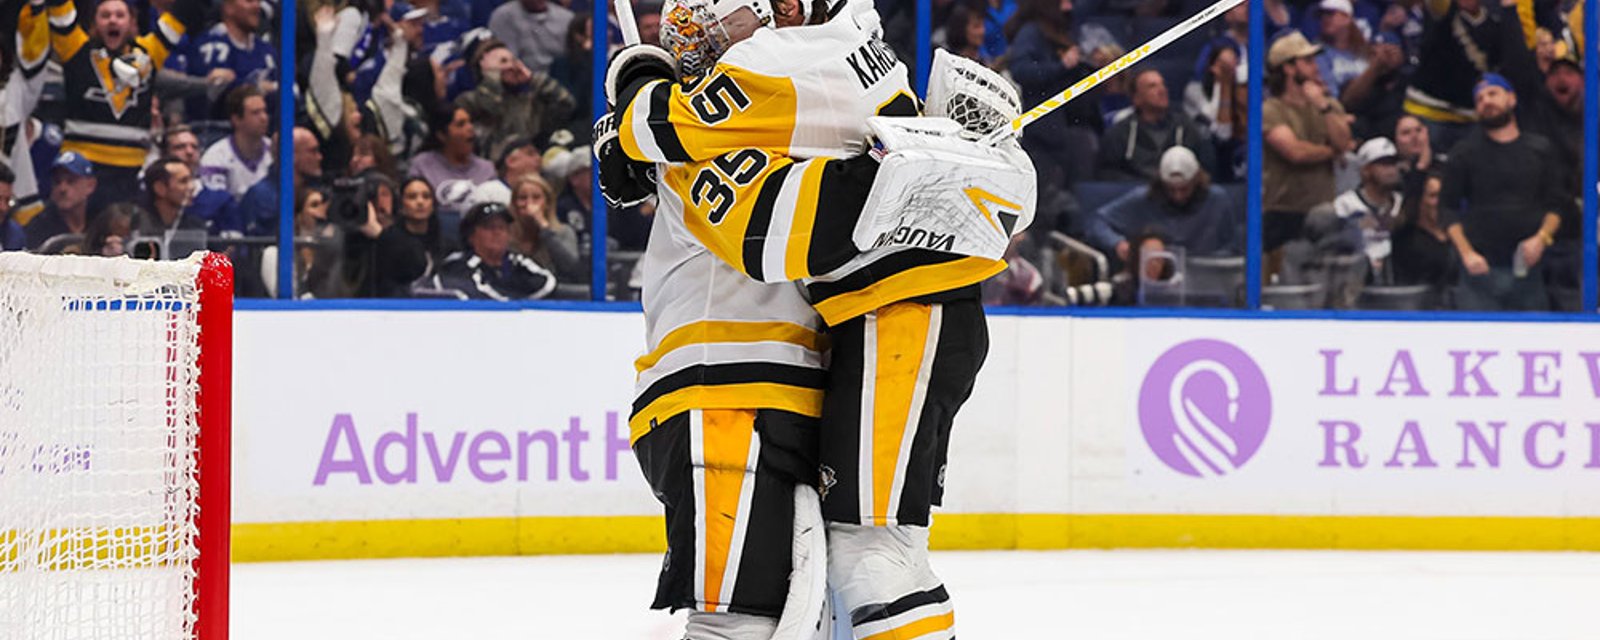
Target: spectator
(12, 238)
(168, 187)
(534, 30)
(112, 133)
(964, 34)
(1460, 43)
(649, 19)
(180, 142)
(1423, 253)
(1343, 45)
(1374, 206)
(538, 234)
(317, 263)
(574, 69)
(1417, 157)
(1305, 132)
(1551, 106)
(237, 162)
(72, 180)
(1128, 284)
(510, 101)
(574, 208)
(1042, 60)
(1180, 202)
(519, 158)
(1235, 35)
(1499, 201)
(408, 252)
(488, 269)
(307, 159)
(440, 24)
(372, 154)
(1216, 99)
(1131, 149)
(109, 234)
(451, 166)
(233, 45)
(1376, 96)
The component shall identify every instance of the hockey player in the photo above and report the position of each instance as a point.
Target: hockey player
(724, 425)
(907, 329)
(20, 94)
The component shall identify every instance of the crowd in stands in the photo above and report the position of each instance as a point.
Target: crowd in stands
(1418, 153)
(440, 146)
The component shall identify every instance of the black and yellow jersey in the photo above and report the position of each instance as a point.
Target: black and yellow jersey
(107, 121)
(734, 146)
(18, 97)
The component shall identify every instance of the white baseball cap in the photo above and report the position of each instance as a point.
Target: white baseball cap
(1342, 6)
(1178, 165)
(1377, 149)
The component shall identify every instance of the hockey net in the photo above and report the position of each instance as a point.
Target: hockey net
(114, 447)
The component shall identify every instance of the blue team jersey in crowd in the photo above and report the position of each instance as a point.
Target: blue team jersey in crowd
(251, 63)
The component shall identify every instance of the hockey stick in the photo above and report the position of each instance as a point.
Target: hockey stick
(1117, 66)
(630, 27)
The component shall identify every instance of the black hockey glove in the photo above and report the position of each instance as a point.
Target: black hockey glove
(624, 182)
(634, 66)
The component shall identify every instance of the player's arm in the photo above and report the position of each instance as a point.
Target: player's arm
(166, 38)
(770, 217)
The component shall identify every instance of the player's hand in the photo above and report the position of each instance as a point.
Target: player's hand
(1474, 263)
(624, 182)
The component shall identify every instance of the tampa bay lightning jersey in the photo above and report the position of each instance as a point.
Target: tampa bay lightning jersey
(251, 62)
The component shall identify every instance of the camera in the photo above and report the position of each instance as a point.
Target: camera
(347, 201)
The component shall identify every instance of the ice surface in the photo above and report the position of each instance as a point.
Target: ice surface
(1193, 595)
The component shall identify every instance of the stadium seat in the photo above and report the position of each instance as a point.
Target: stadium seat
(1214, 281)
(1416, 297)
(1093, 194)
(1282, 297)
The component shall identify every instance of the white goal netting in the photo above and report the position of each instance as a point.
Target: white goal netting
(98, 433)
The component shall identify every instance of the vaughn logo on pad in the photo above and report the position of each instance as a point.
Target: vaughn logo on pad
(1204, 408)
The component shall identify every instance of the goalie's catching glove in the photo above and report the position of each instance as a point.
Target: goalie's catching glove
(624, 182)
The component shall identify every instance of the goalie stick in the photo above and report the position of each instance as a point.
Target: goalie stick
(1117, 66)
(630, 28)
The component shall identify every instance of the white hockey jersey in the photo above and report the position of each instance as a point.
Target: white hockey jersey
(739, 182)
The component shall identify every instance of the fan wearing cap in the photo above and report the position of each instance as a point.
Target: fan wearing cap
(1374, 205)
(1306, 130)
(1499, 202)
(1550, 103)
(1343, 44)
(233, 45)
(1180, 201)
(72, 181)
(488, 269)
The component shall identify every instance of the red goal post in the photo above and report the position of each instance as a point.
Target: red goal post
(115, 396)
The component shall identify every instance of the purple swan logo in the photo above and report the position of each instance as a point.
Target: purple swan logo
(1204, 408)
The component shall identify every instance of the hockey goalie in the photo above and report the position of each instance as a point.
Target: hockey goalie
(803, 206)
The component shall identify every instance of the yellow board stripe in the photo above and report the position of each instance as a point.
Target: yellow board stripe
(538, 535)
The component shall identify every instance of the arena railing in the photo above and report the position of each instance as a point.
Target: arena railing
(923, 47)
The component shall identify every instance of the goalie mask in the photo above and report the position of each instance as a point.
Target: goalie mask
(698, 32)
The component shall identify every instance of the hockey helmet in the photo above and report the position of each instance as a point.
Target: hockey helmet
(698, 32)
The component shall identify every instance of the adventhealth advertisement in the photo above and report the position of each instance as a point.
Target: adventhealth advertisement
(1373, 418)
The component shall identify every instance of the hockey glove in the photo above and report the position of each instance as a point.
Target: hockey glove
(624, 182)
(632, 67)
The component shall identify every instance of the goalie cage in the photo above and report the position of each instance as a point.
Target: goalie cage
(114, 447)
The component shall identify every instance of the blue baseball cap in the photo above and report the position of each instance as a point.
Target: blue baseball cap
(1492, 80)
(74, 162)
(402, 11)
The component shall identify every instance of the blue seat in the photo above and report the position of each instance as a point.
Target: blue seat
(1093, 195)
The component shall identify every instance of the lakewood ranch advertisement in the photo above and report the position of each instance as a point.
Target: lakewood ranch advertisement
(1364, 417)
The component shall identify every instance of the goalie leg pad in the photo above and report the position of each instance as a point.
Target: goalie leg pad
(804, 611)
(937, 190)
(725, 479)
(884, 582)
